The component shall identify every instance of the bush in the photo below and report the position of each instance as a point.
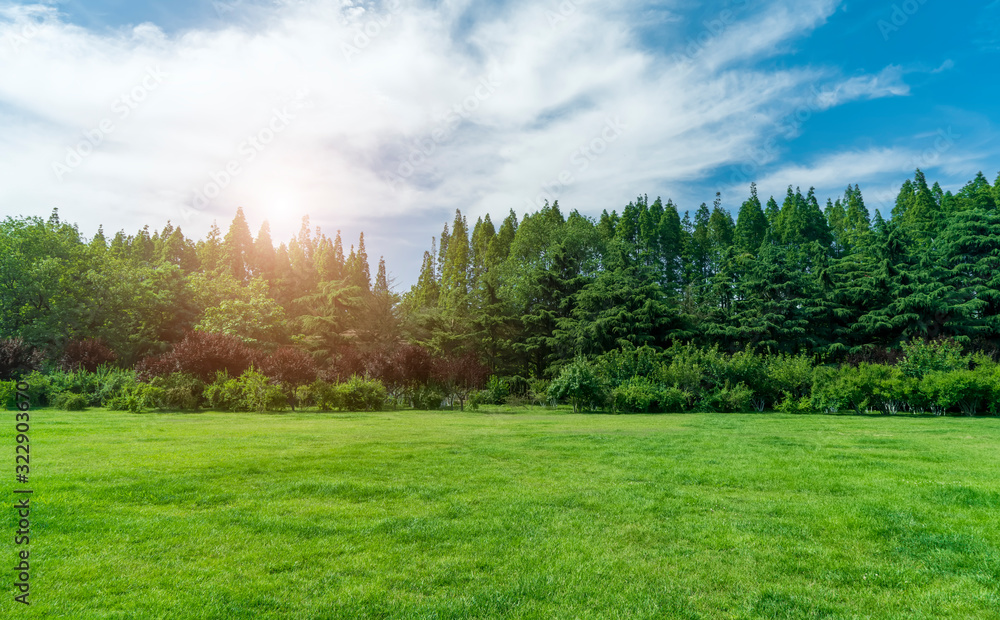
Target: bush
(251, 391)
(791, 404)
(967, 391)
(496, 392)
(8, 394)
(790, 373)
(920, 358)
(733, 399)
(180, 391)
(69, 401)
(200, 354)
(136, 398)
(18, 358)
(39, 388)
(579, 383)
(291, 368)
(637, 395)
(539, 392)
(427, 396)
(360, 394)
(322, 394)
(86, 355)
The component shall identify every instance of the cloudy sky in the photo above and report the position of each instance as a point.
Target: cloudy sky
(387, 116)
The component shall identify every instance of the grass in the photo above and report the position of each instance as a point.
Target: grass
(536, 514)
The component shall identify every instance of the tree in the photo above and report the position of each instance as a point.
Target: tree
(751, 224)
(290, 367)
(238, 248)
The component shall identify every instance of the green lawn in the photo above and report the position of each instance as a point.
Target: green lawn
(527, 515)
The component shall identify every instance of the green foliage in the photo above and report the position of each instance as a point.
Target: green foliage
(359, 394)
(580, 383)
(920, 357)
(8, 394)
(69, 401)
(637, 395)
(429, 396)
(321, 394)
(792, 404)
(136, 398)
(730, 399)
(790, 374)
(251, 391)
(39, 388)
(180, 391)
(967, 391)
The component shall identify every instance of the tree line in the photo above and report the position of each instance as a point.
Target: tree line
(526, 299)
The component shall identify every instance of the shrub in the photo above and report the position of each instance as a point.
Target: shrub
(360, 394)
(619, 366)
(579, 383)
(731, 399)
(180, 391)
(8, 394)
(427, 396)
(791, 404)
(634, 396)
(136, 398)
(18, 358)
(291, 368)
(967, 391)
(790, 373)
(322, 394)
(685, 372)
(920, 357)
(39, 388)
(459, 375)
(76, 382)
(201, 354)
(539, 392)
(114, 382)
(251, 391)
(86, 355)
(496, 392)
(69, 401)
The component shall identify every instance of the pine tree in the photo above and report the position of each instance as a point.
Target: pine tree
(381, 280)
(210, 254)
(363, 275)
(751, 224)
(237, 248)
(263, 263)
(455, 284)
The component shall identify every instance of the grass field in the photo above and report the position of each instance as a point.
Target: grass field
(535, 514)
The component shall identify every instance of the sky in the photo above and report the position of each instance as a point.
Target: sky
(385, 117)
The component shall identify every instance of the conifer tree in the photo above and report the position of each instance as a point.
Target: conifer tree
(751, 224)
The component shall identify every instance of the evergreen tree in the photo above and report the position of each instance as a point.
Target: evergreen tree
(237, 248)
(751, 224)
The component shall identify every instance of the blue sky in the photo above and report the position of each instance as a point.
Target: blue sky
(387, 116)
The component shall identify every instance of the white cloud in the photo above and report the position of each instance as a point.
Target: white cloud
(533, 85)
